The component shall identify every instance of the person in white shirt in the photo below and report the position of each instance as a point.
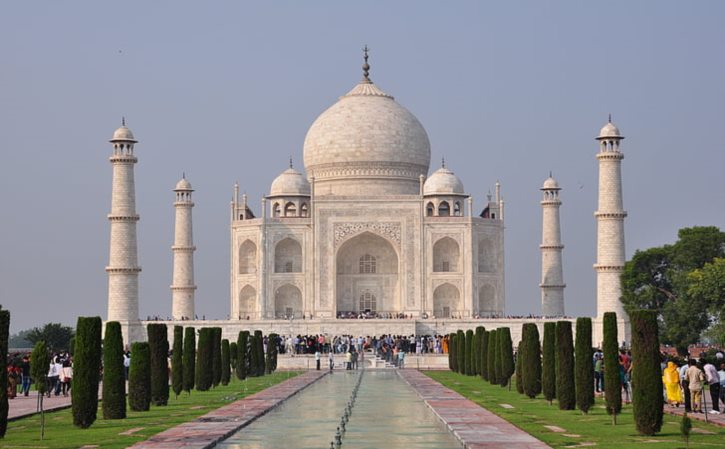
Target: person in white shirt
(713, 380)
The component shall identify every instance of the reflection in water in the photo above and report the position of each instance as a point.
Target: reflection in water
(388, 414)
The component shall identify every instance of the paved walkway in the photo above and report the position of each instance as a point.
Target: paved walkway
(207, 430)
(474, 426)
(23, 406)
(718, 420)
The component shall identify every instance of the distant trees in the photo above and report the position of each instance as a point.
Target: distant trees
(86, 371)
(139, 377)
(565, 388)
(583, 365)
(647, 400)
(56, 336)
(612, 381)
(548, 368)
(159, 349)
(114, 377)
(189, 359)
(177, 361)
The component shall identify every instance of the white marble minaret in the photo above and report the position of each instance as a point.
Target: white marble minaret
(552, 273)
(183, 287)
(610, 226)
(123, 268)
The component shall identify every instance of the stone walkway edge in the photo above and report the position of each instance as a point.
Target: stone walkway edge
(207, 430)
(474, 426)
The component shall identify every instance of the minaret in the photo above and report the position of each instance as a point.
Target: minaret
(123, 266)
(552, 276)
(610, 226)
(183, 287)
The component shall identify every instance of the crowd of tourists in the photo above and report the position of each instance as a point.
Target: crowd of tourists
(341, 344)
(58, 380)
(684, 385)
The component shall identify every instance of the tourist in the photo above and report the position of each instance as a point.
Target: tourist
(721, 375)
(685, 384)
(695, 379)
(671, 380)
(53, 375)
(354, 358)
(598, 373)
(25, 373)
(13, 377)
(66, 376)
(713, 380)
(401, 359)
(317, 359)
(331, 358)
(348, 359)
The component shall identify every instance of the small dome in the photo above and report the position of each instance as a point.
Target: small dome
(290, 183)
(550, 183)
(123, 134)
(443, 182)
(183, 184)
(608, 131)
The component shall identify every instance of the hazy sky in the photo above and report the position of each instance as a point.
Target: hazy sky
(226, 91)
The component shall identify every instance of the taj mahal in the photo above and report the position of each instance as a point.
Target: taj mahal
(366, 238)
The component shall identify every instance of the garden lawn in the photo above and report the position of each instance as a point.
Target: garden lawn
(138, 426)
(594, 430)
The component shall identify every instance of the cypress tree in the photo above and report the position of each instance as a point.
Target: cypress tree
(226, 370)
(506, 354)
(177, 361)
(114, 376)
(253, 356)
(480, 330)
(139, 377)
(583, 365)
(159, 349)
(484, 354)
(233, 354)
(647, 400)
(204, 359)
(519, 378)
(565, 389)
(242, 355)
(461, 351)
(452, 352)
(189, 359)
(216, 361)
(548, 372)
(469, 353)
(271, 365)
(531, 363)
(86, 371)
(4, 405)
(612, 381)
(492, 345)
(259, 340)
(39, 362)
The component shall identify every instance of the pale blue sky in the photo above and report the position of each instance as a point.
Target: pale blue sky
(225, 91)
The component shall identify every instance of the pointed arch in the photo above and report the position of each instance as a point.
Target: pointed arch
(303, 210)
(487, 300)
(288, 256)
(444, 209)
(247, 302)
(429, 209)
(247, 257)
(290, 210)
(276, 210)
(288, 302)
(446, 256)
(446, 300)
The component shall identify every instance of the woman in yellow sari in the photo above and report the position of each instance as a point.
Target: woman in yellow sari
(671, 379)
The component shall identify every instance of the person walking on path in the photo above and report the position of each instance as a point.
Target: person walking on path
(348, 359)
(713, 380)
(25, 372)
(401, 359)
(685, 387)
(331, 359)
(695, 378)
(317, 359)
(671, 380)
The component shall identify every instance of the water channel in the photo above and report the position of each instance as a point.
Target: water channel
(386, 414)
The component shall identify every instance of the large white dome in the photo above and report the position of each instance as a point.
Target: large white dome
(367, 144)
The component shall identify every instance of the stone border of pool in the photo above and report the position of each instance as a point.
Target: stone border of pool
(207, 430)
(474, 426)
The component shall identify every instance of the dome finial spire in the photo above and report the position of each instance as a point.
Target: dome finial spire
(290, 162)
(366, 66)
(610, 118)
(443, 162)
(123, 120)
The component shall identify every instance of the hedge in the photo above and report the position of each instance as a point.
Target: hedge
(647, 400)
(565, 389)
(159, 349)
(548, 363)
(177, 361)
(583, 369)
(612, 381)
(531, 364)
(188, 360)
(139, 377)
(86, 371)
(114, 374)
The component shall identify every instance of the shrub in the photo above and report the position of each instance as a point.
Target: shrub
(242, 368)
(612, 381)
(531, 363)
(114, 375)
(469, 353)
(226, 373)
(189, 359)
(204, 359)
(583, 365)
(565, 389)
(461, 351)
(139, 377)
(484, 354)
(4, 405)
(39, 362)
(492, 350)
(86, 371)
(548, 371)
(216, 361)
(506, 355)
(647, 400)
(159, 349)
(177, 361)
(452, 360)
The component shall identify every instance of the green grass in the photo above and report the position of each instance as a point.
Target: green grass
(60, 432)
(532, 415)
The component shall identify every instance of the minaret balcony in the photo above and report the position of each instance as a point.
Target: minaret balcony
(611, 215)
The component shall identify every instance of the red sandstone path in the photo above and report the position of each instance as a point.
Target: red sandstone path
(23, 406)
(473, 425)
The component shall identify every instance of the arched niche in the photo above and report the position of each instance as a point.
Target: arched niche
(288, 302)
(247, 257)
(247, 303)
(446, 300)
(487, 300)
(288, 256)
(446, 255)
